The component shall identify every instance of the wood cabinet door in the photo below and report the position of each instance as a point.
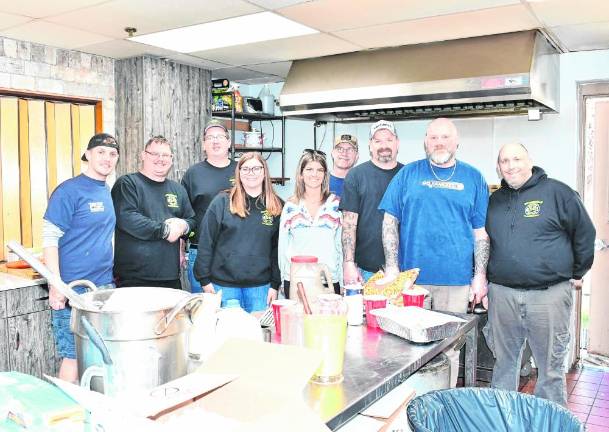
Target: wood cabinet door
(31, 344)
(4, 363)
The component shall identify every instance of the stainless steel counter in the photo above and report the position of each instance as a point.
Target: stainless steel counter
(375, 363)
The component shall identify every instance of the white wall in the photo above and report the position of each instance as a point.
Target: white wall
(552, 141)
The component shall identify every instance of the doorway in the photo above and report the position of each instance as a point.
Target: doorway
(593, 185)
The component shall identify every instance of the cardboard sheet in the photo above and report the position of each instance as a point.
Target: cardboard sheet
(268, 393)
(386, 406)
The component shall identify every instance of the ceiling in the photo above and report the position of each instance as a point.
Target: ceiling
(97, 27)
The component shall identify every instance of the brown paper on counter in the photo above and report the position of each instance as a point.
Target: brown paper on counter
(268, 393)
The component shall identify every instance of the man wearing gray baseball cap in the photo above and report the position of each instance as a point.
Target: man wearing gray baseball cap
(364, 187)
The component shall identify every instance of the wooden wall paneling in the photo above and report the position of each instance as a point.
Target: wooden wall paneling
(49, 108)
(87, 129)
(24, 172)
(38, 167)
(9, 155)
(129, 113)
(99, 118)
(157, 97)
(63, 141)
(76, 154)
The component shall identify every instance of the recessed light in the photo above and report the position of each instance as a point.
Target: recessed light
(229, 32)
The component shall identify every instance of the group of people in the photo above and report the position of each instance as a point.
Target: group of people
(526, 246)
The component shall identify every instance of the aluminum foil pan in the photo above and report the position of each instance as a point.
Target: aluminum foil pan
(416, 324)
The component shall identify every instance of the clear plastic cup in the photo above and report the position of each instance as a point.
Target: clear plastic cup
(327, 334)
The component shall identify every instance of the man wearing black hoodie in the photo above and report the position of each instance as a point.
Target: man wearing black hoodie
(542, 244)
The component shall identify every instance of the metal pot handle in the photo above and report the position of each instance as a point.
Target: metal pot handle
(83, 282)
(96, 338)
(188, 302)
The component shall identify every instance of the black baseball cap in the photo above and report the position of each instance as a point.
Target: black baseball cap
(101, 139)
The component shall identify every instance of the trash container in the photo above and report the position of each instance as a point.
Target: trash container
(485, 409)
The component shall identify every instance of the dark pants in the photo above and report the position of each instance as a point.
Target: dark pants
(286, 288)
(121, 283)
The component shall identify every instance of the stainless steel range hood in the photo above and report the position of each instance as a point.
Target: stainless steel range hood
(490, 75)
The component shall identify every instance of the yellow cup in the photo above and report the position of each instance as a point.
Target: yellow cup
(327, 334)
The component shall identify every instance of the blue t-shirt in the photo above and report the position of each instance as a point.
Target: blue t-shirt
(82, 208)
(336, 185)
(436, 219)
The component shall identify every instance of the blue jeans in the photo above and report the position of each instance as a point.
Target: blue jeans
(251, 299)
(540, 317)
(365, 274)
(195, 286)
(64, 338)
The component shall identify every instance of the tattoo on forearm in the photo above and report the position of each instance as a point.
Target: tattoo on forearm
(391, 240)
(481, 253)
(349, 235)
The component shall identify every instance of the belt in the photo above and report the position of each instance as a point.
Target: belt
(193, 246)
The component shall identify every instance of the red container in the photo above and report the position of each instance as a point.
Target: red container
(372, 302)
(413, 300)
(278, 304)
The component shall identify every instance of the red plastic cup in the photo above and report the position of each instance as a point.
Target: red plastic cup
(372, 302)
(413, 300)
(278, 304)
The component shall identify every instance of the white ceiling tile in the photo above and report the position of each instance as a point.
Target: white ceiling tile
(279, 50)
(280, 69)
(276, 4)
(564, 12)
(262, 80)
(196, 61)
(41, 9)
(10, 20)
(469, 24)
(584, 37)
(333, 15)
(149, 16)
(52, 34)
(237, 74)
(119, 49)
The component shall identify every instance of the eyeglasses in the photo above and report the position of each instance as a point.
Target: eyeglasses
(347, 150)
(251, 170)
(156, 155)
(215, 138)
(314, 152)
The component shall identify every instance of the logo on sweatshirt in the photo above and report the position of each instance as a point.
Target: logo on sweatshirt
(172, 200)
(96, 207)
(267, 218)
(532, 208)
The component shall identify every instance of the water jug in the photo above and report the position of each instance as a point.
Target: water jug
(308, 270)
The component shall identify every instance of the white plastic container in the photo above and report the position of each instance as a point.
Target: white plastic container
(234, 322)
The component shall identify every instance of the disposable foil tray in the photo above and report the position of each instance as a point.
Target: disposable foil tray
(416, 324)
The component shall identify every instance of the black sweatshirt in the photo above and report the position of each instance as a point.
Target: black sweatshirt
(540, 234)
(202, 182)
(142, 205)
(235, 251)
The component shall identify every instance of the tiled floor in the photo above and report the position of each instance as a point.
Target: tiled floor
(588, 390)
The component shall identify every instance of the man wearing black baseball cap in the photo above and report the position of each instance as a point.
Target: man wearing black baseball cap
(77, 236)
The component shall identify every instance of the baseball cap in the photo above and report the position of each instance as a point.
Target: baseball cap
(346, 138)
(214, 123)
(101, 139)
(382, 124)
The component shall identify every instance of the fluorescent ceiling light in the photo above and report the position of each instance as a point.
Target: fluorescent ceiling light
(229, 32)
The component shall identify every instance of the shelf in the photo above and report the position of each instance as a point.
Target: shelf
(245, 116)
(280, 180)
(259, 149)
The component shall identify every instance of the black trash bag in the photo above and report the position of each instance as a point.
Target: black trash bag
(488, 410)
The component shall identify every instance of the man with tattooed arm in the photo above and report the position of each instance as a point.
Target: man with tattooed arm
(364, 187)
(434, 215)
